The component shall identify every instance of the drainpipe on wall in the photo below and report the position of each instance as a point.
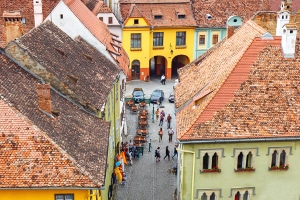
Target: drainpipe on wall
(193, 171)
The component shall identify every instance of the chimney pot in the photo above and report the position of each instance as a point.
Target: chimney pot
(44, 100)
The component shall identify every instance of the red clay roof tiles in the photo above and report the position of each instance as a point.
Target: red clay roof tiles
(221, 10)
(256, 82)
(38, 151)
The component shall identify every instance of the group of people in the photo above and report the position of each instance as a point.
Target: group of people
(130, 150)
(161, 117)
(167, 155)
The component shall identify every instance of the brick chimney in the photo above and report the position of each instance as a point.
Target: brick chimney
(230, 31)
(44, 100)
(288, 40)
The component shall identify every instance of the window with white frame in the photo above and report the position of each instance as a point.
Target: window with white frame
(244, 158)
(208, 194)
(279, 157)
(180, 38)
(242, 193)
(135, 41)
(210, 159)
(64, 196)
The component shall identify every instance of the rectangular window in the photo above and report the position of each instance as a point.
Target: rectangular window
(64, 196)
(215, 39)
(201, 39)
(110, 20)
(158, 39)
(135, 40)
(136, 21)
(180, 38)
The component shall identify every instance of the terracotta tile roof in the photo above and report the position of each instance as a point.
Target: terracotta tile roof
(168, 10)
(209, 73)
(98, 29)
(258, 98)
(25, 7)
(220, 10)
(98, 6)
(268, 20)
(38, 151)
(65, 58)
(275, 5)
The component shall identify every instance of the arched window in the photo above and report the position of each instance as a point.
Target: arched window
(240, 161)
(237, 196)
(274, 158)
(212, 196)
(249, 160)
(282, 158)
(214, 161)
(246, 196)
(204, 196)
(205, 161)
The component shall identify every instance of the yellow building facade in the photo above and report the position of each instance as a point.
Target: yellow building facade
(157, 42)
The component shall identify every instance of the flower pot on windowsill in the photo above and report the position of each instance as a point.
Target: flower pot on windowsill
(214, 170)
(283, 168)
(249, 169)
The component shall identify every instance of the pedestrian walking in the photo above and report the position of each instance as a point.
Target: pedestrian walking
(169, 118)
(160, 134)
(150, 146)
(175, 153)
(167, 153)
(157, 114)
(170, 133)
(157, 154)
(161, 120)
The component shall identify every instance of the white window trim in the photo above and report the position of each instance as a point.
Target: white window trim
(288, 150)
(202, 152)
(251, 191)
(217, 191)
(245, 151)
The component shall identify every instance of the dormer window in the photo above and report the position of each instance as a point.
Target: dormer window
(181, 16)
(136, 21)
(158, 17)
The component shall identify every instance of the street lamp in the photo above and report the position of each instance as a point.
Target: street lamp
(152, 112)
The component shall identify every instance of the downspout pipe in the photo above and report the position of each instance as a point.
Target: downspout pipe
(193, 171)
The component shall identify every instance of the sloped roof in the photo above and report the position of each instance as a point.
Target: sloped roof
(98, 6)
(98, 29)
(275, 5)
(169, 11)
(209, 74)
(221, 10)
(268, 20)
(256, 97)
(65, 58)
(39, 151)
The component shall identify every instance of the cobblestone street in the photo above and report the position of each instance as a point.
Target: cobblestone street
(146, 178)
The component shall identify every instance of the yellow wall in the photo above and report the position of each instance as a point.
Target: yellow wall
(43, 194)
(275, 185)
(147, 51)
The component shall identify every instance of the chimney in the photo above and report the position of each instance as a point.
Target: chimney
(38, 12)
(44, 101)
(283, 17)
(288, 40)
(230, 31)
